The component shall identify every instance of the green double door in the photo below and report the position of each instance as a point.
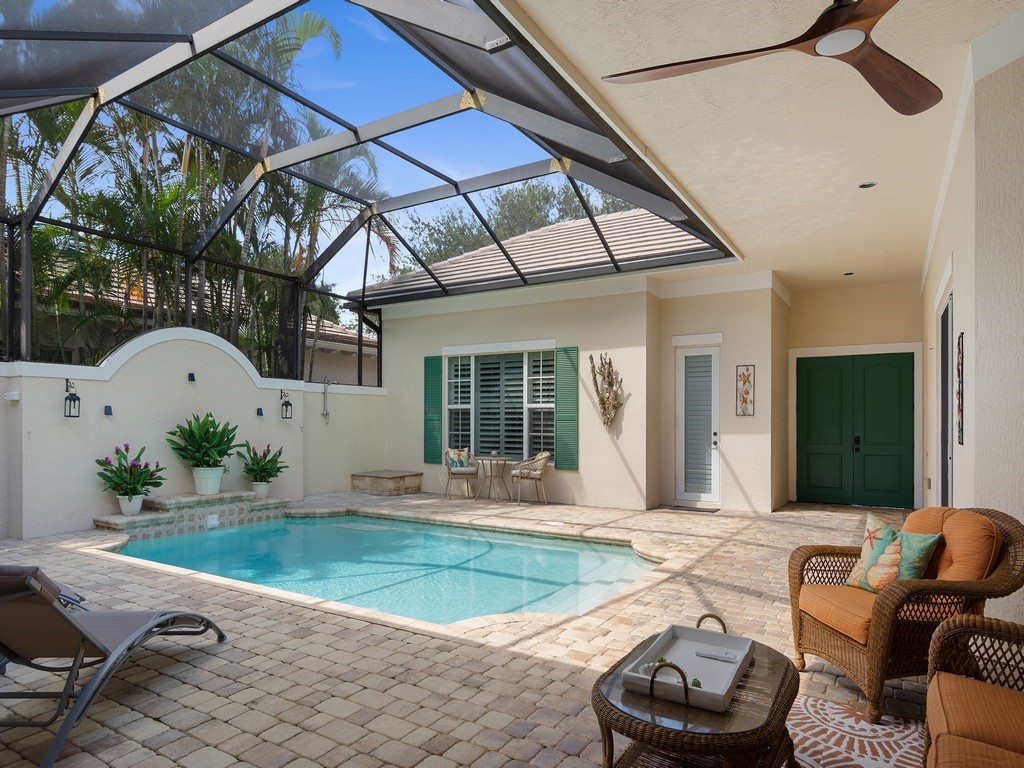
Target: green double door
(855, 430)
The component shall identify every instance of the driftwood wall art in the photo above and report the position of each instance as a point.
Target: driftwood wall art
(607, 386)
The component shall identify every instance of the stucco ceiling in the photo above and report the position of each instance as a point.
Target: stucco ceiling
(771, 151)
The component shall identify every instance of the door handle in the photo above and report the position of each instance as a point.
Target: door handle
(856, 443)
(714, 443)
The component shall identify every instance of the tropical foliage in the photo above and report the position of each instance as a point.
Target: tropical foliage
(510, 211)
(129, 477)
(158, 188)
(203, 441)
(261, 466)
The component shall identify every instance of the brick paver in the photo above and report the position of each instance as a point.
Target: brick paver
(305, 682)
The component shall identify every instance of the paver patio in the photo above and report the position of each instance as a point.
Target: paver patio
(304, 682)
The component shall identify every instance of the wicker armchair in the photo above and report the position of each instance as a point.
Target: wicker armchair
(531, 469)
(975, 648)
(903, 616)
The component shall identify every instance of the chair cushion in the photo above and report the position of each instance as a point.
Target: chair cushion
(845, 609)
(463, 470)
(970, 544)
(887, 555)
(950, 751)
(527, 474)
(972, 709)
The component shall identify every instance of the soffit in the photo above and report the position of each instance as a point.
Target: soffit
(772, 149)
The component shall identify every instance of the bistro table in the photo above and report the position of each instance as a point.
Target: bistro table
(494, 469)
(751, 732)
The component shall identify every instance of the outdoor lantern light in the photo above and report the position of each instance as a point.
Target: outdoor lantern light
(286, 406)
(72, 402)
(259, 411)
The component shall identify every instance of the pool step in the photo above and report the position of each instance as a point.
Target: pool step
(166, 515)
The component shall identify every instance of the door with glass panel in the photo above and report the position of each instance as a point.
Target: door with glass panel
(697, 431)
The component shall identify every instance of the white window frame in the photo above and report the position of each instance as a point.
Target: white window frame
(472, 351)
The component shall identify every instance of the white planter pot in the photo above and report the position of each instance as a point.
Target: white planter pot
(261, 490)
(130, 506)
(207, 480)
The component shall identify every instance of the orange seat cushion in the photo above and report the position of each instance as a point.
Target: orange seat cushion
(950, 751)
(971, 709)
(845, 609)
(969, 547)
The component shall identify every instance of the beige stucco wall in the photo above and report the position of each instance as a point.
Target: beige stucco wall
(341, 367)
(612, 460)
(780, 400)
(951, 270)
(350, 439)
(8, 410)
(654, 414)
(149, 394)
(744, 320)
(855, 314)
(998, 357)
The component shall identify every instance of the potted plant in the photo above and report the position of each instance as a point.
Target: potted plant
(129, 478)
(203, 443)
(261, 467)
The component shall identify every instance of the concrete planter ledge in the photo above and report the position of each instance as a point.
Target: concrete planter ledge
(387, 482)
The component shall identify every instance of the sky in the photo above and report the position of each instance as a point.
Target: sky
(379, 74)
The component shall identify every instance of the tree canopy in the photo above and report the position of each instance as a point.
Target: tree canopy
(510, 211)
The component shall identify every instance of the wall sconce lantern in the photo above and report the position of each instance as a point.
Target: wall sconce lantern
(72, 402)
(259, 411)
(286, 406)
(191, 376)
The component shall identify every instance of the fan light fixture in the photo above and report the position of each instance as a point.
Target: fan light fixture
(839, 42)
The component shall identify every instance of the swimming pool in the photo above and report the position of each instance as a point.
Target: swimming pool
(422, 571)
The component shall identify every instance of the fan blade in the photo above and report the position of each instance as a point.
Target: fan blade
(661, 71)
(904, 89)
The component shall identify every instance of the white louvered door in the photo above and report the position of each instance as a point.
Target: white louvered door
(697, 429)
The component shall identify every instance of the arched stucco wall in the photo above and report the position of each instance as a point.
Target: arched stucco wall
(51, 482)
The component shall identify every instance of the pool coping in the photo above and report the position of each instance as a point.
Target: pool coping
(665, 566)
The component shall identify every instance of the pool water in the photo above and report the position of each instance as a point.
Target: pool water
(422, 571)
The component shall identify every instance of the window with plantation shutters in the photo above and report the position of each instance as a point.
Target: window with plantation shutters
(509, 403)
(499, 404)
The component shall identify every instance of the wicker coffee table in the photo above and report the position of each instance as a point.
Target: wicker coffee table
(751, 732)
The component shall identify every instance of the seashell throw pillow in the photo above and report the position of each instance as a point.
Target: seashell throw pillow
(887, 555)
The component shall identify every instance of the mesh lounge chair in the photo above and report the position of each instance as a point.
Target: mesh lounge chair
(531, 469)
(38, 630)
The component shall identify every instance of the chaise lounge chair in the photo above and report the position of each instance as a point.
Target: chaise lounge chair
(36, 624)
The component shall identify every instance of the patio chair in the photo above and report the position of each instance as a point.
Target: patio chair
(68, 598)
(461, 466)
(38, 630)
(531, 469)
(874, 637)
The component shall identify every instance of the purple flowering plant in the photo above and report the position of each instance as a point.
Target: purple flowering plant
(261, 466)
(126, 476)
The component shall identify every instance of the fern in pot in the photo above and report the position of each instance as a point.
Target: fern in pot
(261, 467)
(203, 443)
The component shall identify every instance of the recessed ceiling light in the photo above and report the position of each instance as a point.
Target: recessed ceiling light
(847, 274)
(868, 185)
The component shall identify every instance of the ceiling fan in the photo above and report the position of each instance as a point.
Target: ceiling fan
(843, 32)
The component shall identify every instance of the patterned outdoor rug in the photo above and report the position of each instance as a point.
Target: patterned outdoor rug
(830, 735)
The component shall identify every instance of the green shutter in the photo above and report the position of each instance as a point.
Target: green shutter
(433, 409)
(567, 367)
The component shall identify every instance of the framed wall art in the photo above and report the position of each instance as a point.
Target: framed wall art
(958, 386)
(744, 390)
